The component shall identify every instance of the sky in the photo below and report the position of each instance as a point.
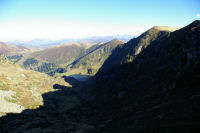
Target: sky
(59, 19)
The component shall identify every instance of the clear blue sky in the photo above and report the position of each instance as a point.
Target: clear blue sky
(176, 13)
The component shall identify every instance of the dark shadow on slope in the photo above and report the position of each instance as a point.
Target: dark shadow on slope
(71, 80)
(161, 86)
(53, 116)
(88, 52)
(129, 51)
(62, 87)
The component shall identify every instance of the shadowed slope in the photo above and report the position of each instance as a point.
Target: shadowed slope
(127, 53)
(56, 115)
(158, 91)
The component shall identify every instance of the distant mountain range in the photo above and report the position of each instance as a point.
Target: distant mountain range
(45, 42)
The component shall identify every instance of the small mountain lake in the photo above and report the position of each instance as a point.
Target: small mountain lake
(80, 77)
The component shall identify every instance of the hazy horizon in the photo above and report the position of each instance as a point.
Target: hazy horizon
(60, 19)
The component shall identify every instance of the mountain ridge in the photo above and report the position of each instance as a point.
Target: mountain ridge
(165, 28)
(155, 89)
(90, 63)
(128, 52)
(11, 49)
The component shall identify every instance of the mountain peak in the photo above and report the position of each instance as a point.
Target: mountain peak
(116, 40)
(194, 24)
(165, 28)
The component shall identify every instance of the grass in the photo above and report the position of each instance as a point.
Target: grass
(28, 85)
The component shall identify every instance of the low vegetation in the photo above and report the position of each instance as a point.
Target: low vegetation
(27, 85)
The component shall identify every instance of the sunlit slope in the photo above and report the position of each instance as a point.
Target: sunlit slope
(22, 88)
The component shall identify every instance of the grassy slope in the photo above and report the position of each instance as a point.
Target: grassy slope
(62, 54)
(51, 60)
(90, 63)
(12, 49)
(28, 85)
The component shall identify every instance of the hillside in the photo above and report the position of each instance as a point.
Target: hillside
(11, 49)
(127, 53)
(50, 60)
(70, 58)
(157, 92)
(90, 63)
(21, 89)
(61, 54)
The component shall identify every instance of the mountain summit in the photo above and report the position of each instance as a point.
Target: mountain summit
(165, 28)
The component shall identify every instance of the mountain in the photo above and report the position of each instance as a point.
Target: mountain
(39, 43)
(61, 53)
(51, 60)
(78, 58)
(157, 92)
(95, 56)
(11, 49)
(128, 52)
(22, 89)
(104, 39)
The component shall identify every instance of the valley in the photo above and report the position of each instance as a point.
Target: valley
(148, 84)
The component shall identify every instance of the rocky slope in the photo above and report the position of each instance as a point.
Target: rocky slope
(21, 89)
